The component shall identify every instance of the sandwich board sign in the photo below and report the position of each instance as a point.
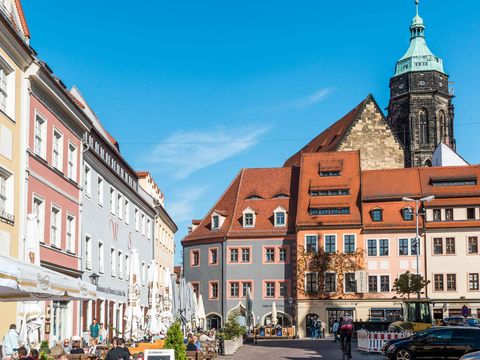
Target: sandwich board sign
(160, 354)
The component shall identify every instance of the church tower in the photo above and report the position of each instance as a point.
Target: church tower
(420, 111)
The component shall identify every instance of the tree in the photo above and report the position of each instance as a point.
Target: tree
(409, 283)
(233, 329)
(174, 340)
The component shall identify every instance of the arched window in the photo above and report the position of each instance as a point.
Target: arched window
(423, 122)
(443, 126)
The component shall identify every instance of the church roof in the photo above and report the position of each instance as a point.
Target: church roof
(418, 56)
(331, 138)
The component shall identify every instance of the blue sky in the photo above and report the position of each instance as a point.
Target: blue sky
(196, 90)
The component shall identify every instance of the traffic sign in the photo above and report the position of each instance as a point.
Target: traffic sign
(465, 311)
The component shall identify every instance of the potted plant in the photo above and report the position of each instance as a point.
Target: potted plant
(233, 335)
(174, 340)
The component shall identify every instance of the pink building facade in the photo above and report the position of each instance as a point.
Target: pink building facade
(54, 158)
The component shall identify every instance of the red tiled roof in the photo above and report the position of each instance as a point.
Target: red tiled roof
(266, 183)
(329, 139)
(390, 184)
(23, 21)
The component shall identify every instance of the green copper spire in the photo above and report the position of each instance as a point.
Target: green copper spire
(418, 56)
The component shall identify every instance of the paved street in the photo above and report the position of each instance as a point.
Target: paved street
(295, 349)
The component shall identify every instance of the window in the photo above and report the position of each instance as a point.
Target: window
(423, 124)
(449, 214)
(213, 290)
(38, 209)
(71, 233)
(195, 257)
(471, 213)
(330, 244)
(88, 181)
(120, 206)
(414, 246)
(245, 255)
(5, 70)
(213, 256)
(372, 247)
(332, 192)
(270, 255)
(329, 173)
(270, 289)
(57, 150)
(40, 138)
(451, 282)
(311, 282)
(330, 211)
(72, 162)
(372, 284)
(473, 245)
(101, 257)
(100, 191)
(438, 246)
(149, 229)
(350, 285)
(384, 283)
(137, 220)
(144, 274)
(127, 212)
(437, 215)
(403, 246)
(55, 228)
(245, 286)
(282, 255)
(143, 223)
(248, 220)
(311, 243)
(234, 289)
(195, 286)
(348, 244)
(376, 214)
(280, 218)
(407, 214)
(3, 189)
(113, 262)
(330, 282)
(112, 201)
(88, 252)
(215, 222)
(234, 255)
(127, 267)
(283, 289)
(120, 264)
(454, 182)
(473, 283)
(383, 243)
(450, 246)
(438, 282)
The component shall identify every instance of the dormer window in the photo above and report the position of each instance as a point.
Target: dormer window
(407, 214)
(215, 222)
(376, 214)
(281, 196)
(248, 218)
(280, 216)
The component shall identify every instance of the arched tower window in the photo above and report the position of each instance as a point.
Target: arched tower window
(442, 123)
(423, 122)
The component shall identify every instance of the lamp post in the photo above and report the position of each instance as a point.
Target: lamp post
(94, 279)
(417, 240)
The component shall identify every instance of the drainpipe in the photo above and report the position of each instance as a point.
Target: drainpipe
(224, 298)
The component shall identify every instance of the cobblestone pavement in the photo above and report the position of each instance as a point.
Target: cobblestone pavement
(295, 349)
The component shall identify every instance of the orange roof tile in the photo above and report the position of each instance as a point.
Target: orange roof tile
(23, 21)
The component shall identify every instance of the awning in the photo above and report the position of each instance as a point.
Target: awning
(20, 281)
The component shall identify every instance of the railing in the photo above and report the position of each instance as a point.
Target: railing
(373, 341)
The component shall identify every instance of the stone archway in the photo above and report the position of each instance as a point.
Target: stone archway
(240, 311)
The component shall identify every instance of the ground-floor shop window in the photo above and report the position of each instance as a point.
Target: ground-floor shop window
(282, 320)
(336, 314)
(389, 315)
(310, 319)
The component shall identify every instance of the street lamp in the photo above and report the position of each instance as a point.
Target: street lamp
(417, 240)
(94, 279)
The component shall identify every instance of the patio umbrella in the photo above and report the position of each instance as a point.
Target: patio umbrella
(183, 298)
(201, 313)
(274, 314)
(31, 312)
(175, 303)
(153, 327)
(191, 305)
(248, 301)
(134, 314)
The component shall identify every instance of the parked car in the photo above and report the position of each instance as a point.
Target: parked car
(472, 356)
(435, 343)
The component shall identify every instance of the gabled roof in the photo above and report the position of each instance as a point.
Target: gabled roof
(23, 21)
(267, 183)
(331, 138)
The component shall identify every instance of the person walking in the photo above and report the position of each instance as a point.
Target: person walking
(346, 332)
(102, 334)
(335, 328)
(323, 329)
(10, 342)
(94, 329)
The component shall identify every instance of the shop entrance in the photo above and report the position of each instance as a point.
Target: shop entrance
(309, 322)
(336, 314)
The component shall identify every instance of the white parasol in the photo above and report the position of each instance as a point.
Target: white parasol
(134, 314)
(274, 314)
(153, 327)
(202, 319)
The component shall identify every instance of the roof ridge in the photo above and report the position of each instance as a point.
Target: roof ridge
(358, 110)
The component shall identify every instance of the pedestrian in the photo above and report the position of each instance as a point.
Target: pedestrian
(317, 328)
(76, 345)
(10, 342)
(34, 354)
(23, 353)
(335, 328)
(67, 346)
(323, 328)
(57, 350)
(94, 329)
(102, 337)
(346, 332)
(123, 352)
